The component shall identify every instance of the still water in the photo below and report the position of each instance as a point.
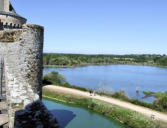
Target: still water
(117, 77)
(76, 117)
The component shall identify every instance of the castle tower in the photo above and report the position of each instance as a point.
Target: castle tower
(9, 19)
(21, 52)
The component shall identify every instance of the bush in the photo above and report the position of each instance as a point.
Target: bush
(120, 95)
(53, 78)
(161, 102)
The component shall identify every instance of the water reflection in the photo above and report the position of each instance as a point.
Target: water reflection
(75, 117)
(64, 117)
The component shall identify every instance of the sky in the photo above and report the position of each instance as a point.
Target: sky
(99, 26)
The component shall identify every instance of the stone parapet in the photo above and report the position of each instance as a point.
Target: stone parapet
(22, 51)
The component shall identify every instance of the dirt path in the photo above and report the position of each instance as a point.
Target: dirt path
(146, 111)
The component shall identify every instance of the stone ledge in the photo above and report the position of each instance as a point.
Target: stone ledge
(33, 26)
(10, 35)
(13, 35)
(4, 119)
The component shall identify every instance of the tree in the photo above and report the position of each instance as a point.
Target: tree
(53, 78)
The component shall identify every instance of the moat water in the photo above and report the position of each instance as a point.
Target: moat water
(76, 117)
(117, 77)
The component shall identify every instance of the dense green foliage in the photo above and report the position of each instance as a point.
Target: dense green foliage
(149, 93)
(125, 116)
(53, 78)
(68, 60)
(161, 100)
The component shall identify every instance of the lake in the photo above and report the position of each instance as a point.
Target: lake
(117, 77)
(75, 117)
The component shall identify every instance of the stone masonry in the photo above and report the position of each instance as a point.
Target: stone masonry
(21, 50)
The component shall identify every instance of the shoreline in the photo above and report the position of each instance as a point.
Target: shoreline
(86, 65)
(145, 111)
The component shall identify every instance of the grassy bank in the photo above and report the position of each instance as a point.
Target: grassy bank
(125, 116)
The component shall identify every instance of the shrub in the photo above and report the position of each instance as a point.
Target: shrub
(161, 102)
(120, 95)
(53, 78)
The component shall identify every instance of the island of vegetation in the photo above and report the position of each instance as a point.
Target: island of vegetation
(73, 60)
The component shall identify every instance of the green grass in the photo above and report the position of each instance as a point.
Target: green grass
(125, 116)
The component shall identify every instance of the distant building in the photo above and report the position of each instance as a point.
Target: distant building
(9, 19)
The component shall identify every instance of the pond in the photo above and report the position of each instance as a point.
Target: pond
(117, 77)
(76, 117)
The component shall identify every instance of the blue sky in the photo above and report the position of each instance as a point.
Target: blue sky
(99, 26)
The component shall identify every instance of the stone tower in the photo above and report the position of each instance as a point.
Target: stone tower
(21, 49)
(8, 17)
(21, 53)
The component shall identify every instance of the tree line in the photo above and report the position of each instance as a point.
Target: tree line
(55, 59)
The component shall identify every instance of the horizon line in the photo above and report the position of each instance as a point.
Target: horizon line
(101, 54)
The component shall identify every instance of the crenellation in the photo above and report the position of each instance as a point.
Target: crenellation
(9, 17)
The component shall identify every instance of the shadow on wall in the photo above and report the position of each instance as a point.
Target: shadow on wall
(35, 115)
(64, 117)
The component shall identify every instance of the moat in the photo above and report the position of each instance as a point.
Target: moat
(76, 117)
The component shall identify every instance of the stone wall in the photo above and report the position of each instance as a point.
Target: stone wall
(22, 51)
(1, 4)
(4, 5)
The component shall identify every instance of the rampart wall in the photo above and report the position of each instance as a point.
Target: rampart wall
(22, 51)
